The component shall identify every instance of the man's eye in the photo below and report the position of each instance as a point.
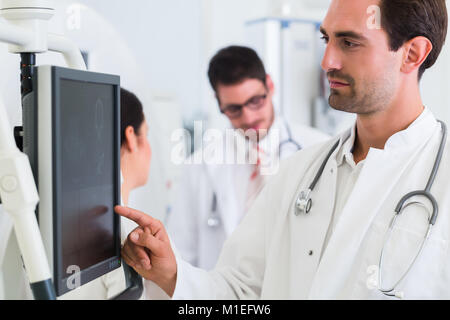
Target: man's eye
(234, 108)
(324, 38)
(256, 100)
(350, 44)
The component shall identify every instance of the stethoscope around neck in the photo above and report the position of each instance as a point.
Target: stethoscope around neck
(288, 142)
(304, 204)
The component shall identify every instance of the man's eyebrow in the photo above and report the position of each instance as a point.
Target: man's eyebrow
(344, 34)
(349, 34)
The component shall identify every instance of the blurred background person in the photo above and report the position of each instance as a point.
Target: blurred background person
(213, 198)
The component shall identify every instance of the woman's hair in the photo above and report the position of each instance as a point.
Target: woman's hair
(131, 113)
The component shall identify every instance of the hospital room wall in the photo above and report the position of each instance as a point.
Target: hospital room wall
(164, 42)
(161, 50)
(435, 86)
(435, 83)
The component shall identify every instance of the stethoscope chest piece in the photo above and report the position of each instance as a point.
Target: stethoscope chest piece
(213, 221)
(304, 203)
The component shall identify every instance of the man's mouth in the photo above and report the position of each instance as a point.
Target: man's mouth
(334, 84)
(255, 126)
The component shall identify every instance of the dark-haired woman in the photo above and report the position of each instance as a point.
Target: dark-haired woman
(135, 157)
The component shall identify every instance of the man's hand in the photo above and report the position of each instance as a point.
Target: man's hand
(147, 250)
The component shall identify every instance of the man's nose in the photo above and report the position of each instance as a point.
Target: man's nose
(248, 116)
(331, 59)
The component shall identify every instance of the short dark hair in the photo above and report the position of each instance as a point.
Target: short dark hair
(234, 64)
(131, 113)
(404, 20)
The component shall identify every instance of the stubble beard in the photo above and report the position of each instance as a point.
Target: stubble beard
(372, 99)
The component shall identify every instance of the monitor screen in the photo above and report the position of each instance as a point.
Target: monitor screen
(86, 120)
(78, 166)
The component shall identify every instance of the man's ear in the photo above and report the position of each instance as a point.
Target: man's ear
(130, 139)
(416, 51)
(270, 85)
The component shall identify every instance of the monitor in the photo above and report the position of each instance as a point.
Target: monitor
(75, 156)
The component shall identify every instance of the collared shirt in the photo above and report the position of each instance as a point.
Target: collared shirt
(347, 175)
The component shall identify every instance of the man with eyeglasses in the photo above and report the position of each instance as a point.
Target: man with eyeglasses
(215, 197)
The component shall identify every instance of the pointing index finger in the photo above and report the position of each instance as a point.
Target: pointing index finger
(140, 218)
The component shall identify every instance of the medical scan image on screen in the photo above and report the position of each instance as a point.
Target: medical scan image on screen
(87, 173)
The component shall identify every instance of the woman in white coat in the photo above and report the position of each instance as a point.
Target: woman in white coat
(215, 194)
(336, 247)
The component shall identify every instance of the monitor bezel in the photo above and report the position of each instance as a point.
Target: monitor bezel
(55, 75)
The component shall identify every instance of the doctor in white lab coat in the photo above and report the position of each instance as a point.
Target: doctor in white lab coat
(333, 252)
(214, 195)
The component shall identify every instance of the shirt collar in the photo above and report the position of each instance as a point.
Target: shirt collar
(346, 149)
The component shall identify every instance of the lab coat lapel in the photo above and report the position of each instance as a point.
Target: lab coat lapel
(381, 172)
(308, 232)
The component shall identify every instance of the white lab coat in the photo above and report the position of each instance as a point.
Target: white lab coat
(187, 225)
(268, 256)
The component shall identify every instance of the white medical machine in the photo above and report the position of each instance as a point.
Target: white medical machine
(71, 138)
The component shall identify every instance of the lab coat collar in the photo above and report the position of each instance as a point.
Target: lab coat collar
(422, 127)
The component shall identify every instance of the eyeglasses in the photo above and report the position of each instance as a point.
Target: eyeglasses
(234, 111)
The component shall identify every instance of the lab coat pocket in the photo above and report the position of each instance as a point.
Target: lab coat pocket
(411, 265)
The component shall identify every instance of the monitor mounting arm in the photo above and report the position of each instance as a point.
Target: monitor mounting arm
(26, 32)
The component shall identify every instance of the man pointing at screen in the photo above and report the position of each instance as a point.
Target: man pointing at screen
(334, 249)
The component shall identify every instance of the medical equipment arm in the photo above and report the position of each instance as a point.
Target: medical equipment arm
(68, 49)
(19, 37)
(26, 32)
(20, 197)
